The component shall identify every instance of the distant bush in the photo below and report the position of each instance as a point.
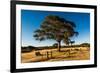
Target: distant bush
(28, 49)
(55, 45)
(85, 45)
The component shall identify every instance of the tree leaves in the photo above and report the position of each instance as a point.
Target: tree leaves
(56, 28)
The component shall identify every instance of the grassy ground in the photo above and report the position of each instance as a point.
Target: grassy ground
(81, 53)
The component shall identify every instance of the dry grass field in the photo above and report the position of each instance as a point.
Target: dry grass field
(49, 55)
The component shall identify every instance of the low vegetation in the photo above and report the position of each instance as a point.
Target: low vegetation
(75, 52)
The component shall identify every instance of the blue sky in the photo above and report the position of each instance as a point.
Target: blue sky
(32, 19)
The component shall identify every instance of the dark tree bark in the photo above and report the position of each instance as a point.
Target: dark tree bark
(59, 46)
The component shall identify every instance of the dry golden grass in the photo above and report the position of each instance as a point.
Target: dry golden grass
(81, 53)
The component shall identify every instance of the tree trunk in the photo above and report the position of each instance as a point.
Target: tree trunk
(59, 45)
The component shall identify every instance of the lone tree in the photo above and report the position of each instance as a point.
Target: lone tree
(56, 28)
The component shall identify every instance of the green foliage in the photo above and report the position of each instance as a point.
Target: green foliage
(85, 45)
(28, 49)
(56, 28)
(55, 45)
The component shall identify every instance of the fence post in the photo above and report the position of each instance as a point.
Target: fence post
(47, 55)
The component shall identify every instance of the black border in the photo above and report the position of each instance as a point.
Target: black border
(13, 36)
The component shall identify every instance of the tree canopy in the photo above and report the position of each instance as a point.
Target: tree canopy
(56, 28)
